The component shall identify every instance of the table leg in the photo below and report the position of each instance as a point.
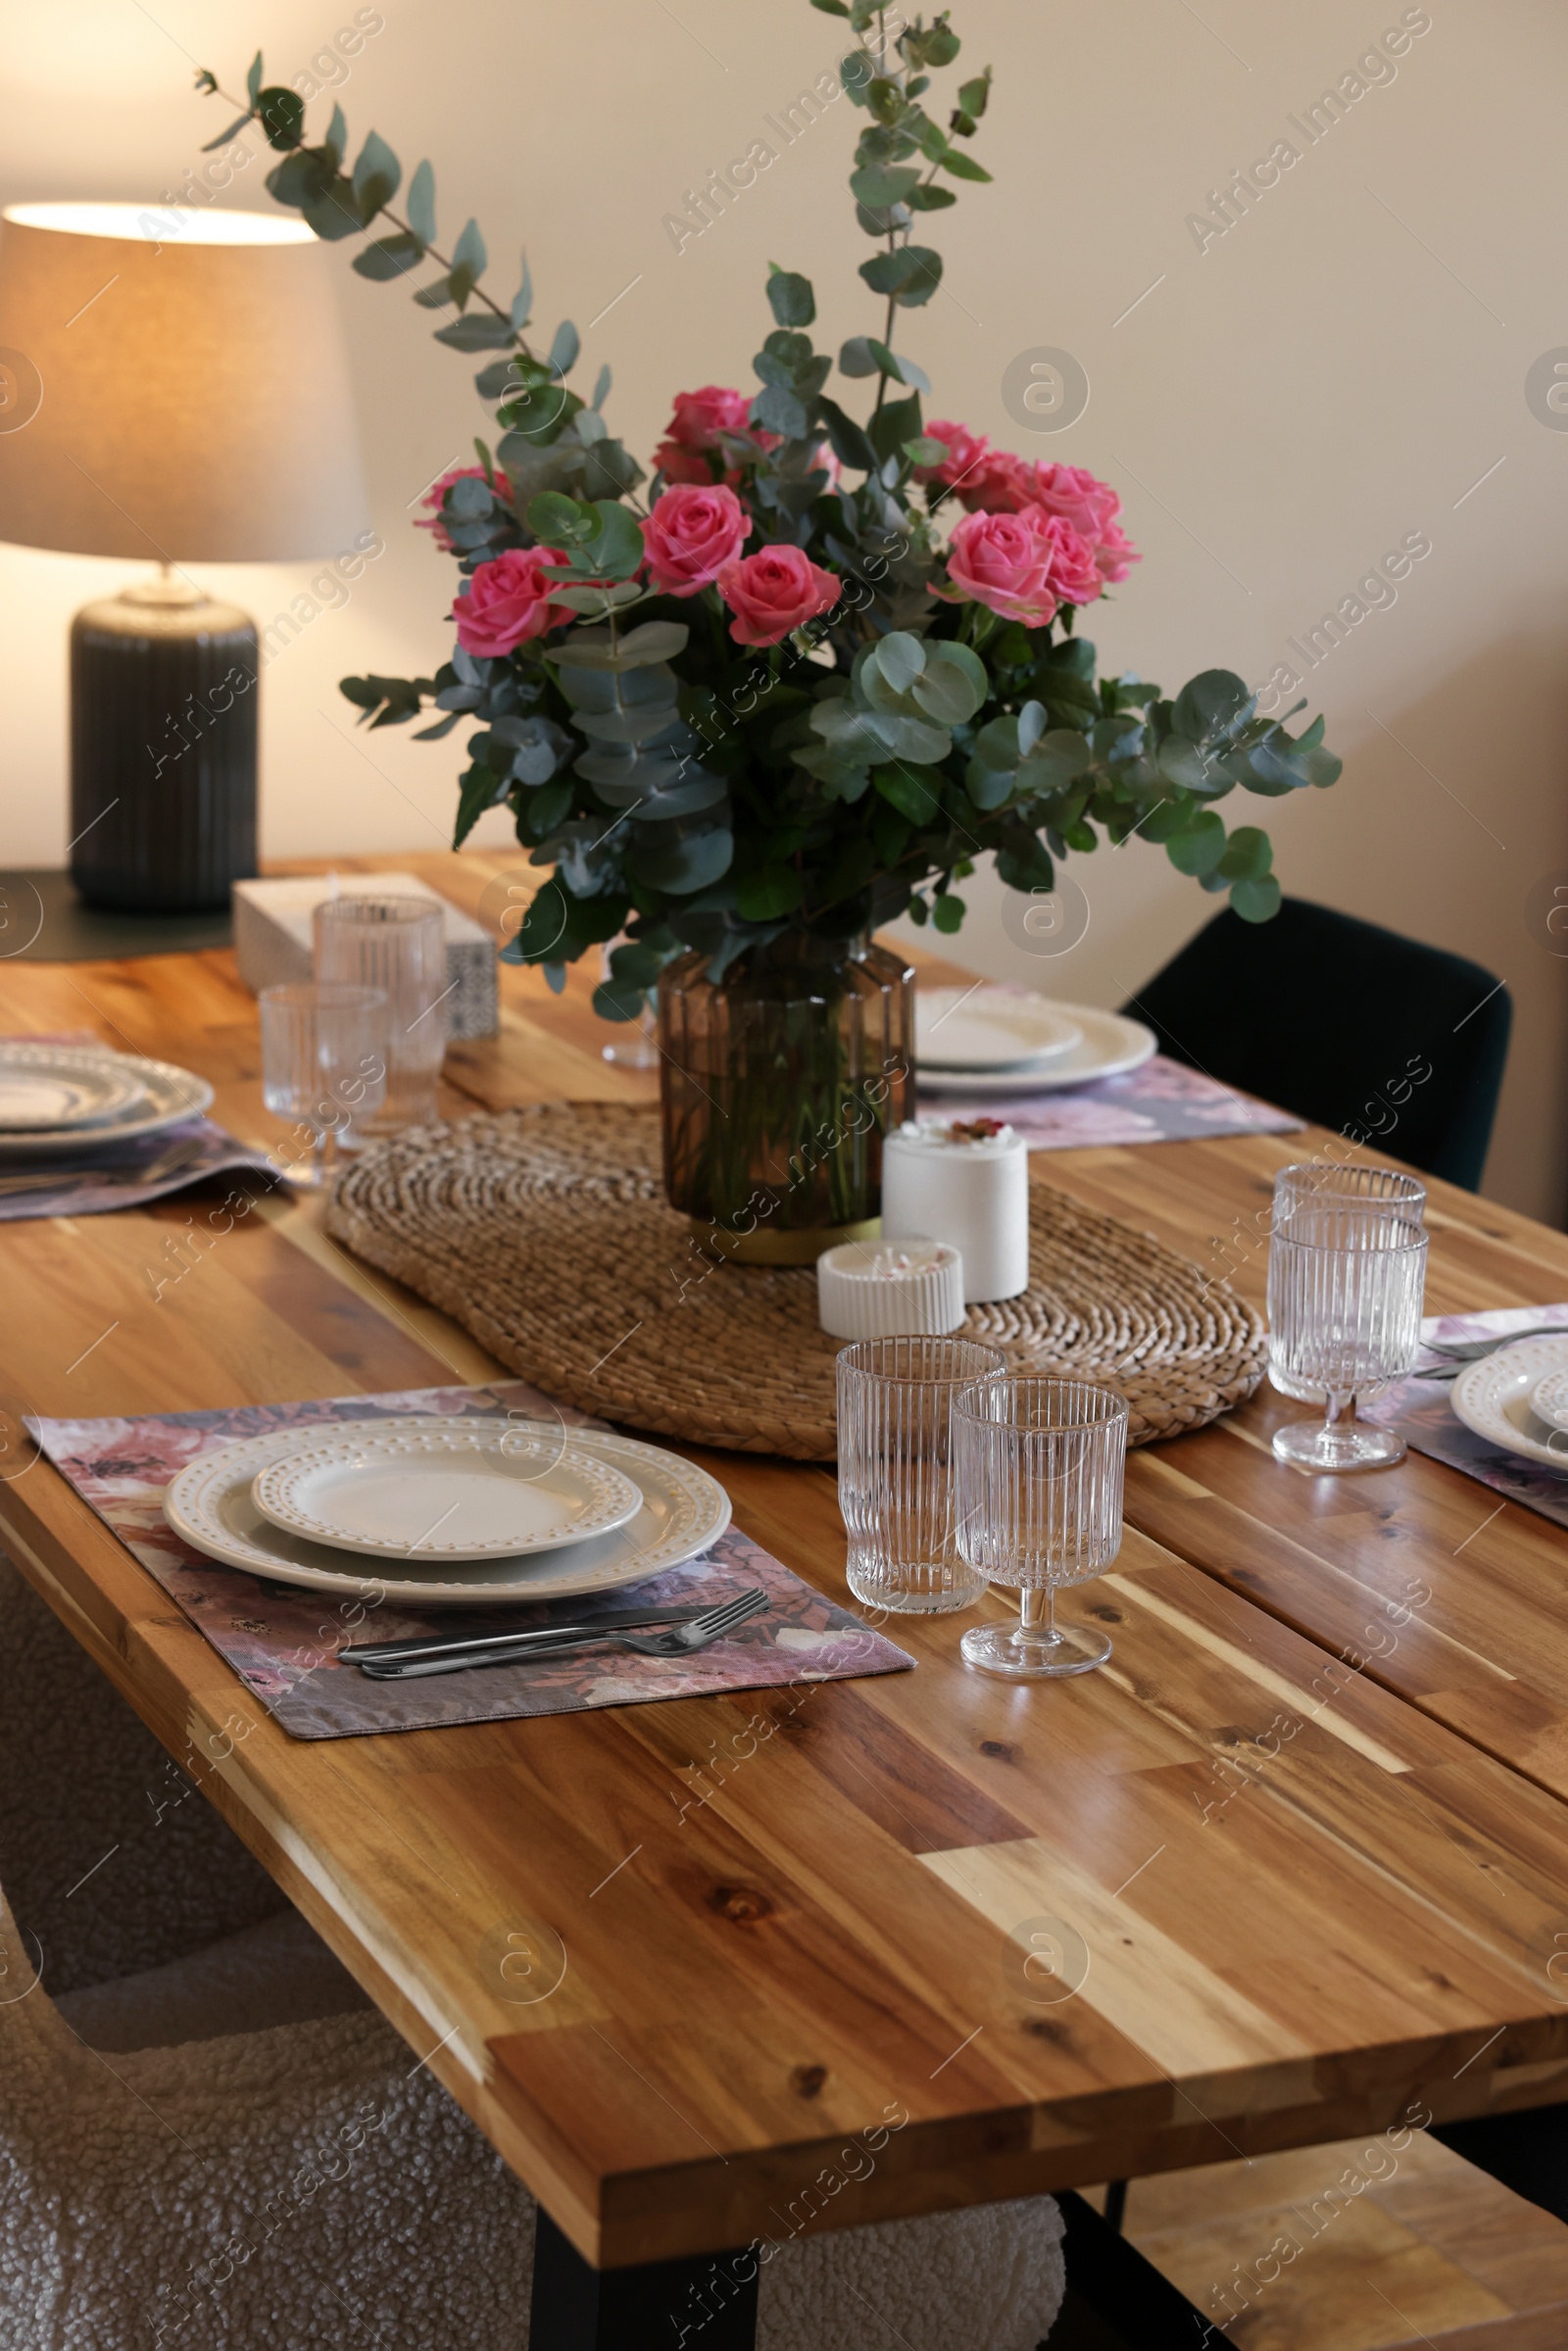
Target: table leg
(709, 2301)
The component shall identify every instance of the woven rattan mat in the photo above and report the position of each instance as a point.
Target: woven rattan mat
(545, 1232)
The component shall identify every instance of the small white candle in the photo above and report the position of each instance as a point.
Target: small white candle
(870, 1289)
(963, 1181)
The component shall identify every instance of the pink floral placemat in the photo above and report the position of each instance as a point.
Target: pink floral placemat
(1423, 1412)
(283, 1640)
(1164, 1102)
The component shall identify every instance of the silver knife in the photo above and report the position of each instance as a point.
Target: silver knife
(541, 1637)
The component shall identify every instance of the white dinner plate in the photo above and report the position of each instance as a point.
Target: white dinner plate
(168, 1094)
(1495, 1398)
(684, 1511)
(1111, 1045)
(988, 1028)
(451, 1489)
(49, 1087)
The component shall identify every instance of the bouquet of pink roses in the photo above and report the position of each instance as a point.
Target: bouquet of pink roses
(825, 663)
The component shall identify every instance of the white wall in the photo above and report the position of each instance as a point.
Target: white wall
(1337, 370)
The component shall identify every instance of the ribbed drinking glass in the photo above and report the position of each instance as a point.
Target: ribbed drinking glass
(1037, 1467)
(896, 1469)
(400, 945)
(1313, 1183)
(323, 1063)
(1346, 1277)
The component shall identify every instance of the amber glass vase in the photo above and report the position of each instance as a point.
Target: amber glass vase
(779, 1081)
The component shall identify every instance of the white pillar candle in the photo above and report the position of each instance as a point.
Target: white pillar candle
(890, 1289)
(965, 1181)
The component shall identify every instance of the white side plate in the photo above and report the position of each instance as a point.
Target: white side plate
(168, 1095)
(49, 1087)
(988, 1028)
(683, 1512)
(453, 1490)
(1494, 1398)
(1109, 1046)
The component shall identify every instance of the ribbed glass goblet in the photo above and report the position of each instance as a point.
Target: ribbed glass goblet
(1037, 1467)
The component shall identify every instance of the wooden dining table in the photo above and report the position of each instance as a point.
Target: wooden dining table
(1293, 1865)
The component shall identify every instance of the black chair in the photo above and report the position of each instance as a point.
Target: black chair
(1338, 1021)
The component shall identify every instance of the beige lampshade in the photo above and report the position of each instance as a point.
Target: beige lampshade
(173, 386)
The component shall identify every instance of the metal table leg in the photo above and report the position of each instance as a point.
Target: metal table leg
(709, 2301)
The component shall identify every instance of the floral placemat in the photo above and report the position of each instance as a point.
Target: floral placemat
(1164, 1102)
(283, 1640)
(1426, 1419)
(147, 1168)
(130, 1174)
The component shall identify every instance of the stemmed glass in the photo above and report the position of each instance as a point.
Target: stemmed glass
(1037, 1467)
(1346, 1270)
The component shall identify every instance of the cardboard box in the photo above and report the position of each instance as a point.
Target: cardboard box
(273, 939)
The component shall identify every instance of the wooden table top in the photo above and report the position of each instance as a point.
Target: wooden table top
(789, 1952)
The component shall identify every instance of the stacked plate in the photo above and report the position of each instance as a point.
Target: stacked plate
(447, 1513)
(1517, 1397)
(996, 1040)
(57, 1100)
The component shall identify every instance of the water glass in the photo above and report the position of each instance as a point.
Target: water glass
(896, 1469)
(635, 1044)
(398, 945)
(1037, 1467)
(1346, 1277)
(1313, 1183)
(324, 1062)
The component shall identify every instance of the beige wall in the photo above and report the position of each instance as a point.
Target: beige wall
(1333, 372)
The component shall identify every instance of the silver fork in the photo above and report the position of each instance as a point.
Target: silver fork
(681, 1641)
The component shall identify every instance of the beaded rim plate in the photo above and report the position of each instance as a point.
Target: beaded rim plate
(168, 1095)
(684, 1511)
(449, 1492)
(989, 1028)
(47, 1088)
(1111, 1045)
(1494, 1398)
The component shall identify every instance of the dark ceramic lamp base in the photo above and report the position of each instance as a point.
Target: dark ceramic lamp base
(162, 750)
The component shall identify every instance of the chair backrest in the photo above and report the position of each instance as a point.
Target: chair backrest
(1344, 1023)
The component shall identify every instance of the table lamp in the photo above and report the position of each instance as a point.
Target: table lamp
(172, 387)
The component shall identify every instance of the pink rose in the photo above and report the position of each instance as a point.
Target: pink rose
(1007, 563)
(679, 463)
(692, 533)
(1074, 574)
(965, 450)
(1073, 493)
(1115, 555)
(693, 448)
(434, 520)
(775, 590)
(977, 475)
(509, 601)
(701, 417)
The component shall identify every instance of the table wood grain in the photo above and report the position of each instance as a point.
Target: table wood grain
(732, 1967)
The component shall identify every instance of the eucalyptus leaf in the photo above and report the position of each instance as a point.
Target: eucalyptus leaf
(469, 253)
(377, 175)
(790, 298)
(420, 204)
(563, 349)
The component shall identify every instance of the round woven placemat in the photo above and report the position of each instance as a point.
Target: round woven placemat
(546, 1232)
